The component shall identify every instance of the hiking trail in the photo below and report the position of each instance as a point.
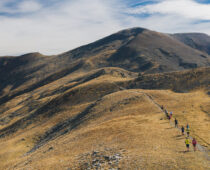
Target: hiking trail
(201, 148)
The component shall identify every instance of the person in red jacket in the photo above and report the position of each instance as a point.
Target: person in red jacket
(194, 142)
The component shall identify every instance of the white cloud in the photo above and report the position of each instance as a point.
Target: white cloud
(20, 7)
(72, 23)
(58, 28)
(174, 16)
(183, 8)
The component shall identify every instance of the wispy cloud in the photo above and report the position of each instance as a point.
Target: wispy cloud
(183, 8)
(57, 28)
(174, 16)
(19, 7)
(54, 26)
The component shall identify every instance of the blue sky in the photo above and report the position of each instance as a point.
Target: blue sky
(56, 26)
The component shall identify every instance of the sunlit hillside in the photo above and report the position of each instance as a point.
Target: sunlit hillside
(100, 106)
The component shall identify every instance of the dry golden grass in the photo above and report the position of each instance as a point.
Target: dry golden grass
(125, 120)
(192, 108)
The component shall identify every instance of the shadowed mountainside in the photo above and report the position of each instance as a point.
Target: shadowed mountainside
(183, 81)
(197, 41)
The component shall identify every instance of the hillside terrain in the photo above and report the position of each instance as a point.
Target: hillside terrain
(136, 50)
(198, 41)
(98, 106)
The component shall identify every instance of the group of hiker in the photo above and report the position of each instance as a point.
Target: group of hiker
(187, 140)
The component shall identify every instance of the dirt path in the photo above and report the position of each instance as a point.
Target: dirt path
(199, 146)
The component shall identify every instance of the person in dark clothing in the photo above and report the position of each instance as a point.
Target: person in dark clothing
(166, 112)
(176, 122)
(182, 129)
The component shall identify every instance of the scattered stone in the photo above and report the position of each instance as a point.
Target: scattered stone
(50, 148)
(95, 153)
(28, 162)
(106, 159)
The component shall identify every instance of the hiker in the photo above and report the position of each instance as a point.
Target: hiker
(194, 142)
(162, 107)
(187, 126)
(169, 117)
(166, 112)
(176, 122)
(188, 132)
(171, 113)
(182, 129)
(187, 142)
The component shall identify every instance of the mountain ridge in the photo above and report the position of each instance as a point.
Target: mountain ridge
(138, 50)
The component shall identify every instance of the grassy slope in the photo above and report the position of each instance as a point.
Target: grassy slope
(182, 81)
(126, 122)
